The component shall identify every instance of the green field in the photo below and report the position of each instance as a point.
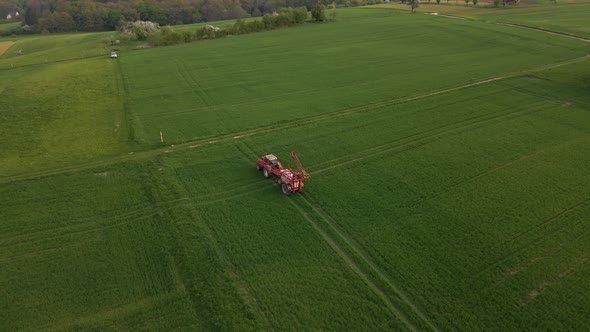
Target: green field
(569, 17)
(449, 185)
(8, 28)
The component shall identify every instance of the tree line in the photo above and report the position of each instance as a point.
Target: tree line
(102, 15)
(162, 36)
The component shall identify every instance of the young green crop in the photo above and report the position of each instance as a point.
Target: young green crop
(60, 114)
(206, 89)
(449, 184)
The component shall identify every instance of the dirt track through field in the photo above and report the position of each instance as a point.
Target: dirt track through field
(202, 143)
(355, 248)
(556, 33)
(521, 26)
(4, 46)
(356, 269)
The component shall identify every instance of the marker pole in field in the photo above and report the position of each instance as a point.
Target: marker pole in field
(161, 137)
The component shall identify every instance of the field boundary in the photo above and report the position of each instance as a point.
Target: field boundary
(46, 63)
(552, 32)
(514, 25)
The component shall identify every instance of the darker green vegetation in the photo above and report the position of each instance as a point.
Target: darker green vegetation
(318, 13)
(89, 15)
(286, 18)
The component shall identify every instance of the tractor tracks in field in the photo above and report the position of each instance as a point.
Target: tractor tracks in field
(541, 254)
(547, 221)
(241, 285)
(399, 145)
(36, 64)
(218, 197)
(507, 270)
(392, 296)
(191, 82)
(509, 163)
(349, 261)
(423, 138)
(418, 140)
(530, 236)
(515, 25)
(83, 225)
(534, 240)
(213, 140)
(201, 143)
(362, 264)
(555, 101)
(551, 32)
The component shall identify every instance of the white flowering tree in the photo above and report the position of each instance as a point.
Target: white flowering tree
(140, 30)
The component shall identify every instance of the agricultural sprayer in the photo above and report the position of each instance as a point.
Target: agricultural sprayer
(289, 180)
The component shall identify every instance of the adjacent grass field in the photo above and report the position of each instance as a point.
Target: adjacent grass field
(449, 185)
(7, 28)
(56, 48)
(59, 114)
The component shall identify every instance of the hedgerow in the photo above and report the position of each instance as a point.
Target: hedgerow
(285, 18)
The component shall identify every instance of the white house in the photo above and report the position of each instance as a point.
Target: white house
(11, 15)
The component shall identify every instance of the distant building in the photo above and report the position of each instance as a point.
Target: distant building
(12, 15)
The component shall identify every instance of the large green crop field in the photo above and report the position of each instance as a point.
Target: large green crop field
(449, 190)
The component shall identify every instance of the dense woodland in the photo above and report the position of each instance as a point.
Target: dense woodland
(98, 15)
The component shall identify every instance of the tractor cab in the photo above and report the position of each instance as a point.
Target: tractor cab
(272, 160)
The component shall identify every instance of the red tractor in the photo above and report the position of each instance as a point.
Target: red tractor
(289, 180)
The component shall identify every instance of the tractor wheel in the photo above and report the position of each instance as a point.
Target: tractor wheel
(285, 189)
(266, 173)
(258, 167)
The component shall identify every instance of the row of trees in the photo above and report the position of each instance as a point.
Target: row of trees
(414, 3)
(167, 36)
(99, 15)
